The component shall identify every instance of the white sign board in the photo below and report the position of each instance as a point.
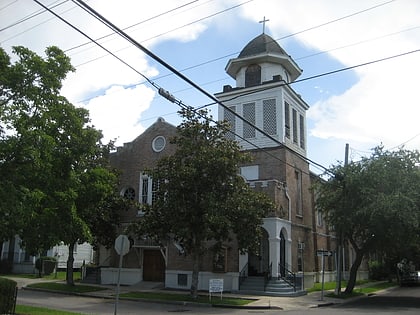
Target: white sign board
(216, 285)
(122, 245)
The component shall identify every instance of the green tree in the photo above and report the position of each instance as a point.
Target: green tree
(201, 199)
(374, 203)
(51, 159)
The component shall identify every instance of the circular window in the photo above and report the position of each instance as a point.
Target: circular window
(129, 193)
(158, 143)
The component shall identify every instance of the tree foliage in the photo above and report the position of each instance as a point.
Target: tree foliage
(53, 165)
(201, 199)
(375, 204)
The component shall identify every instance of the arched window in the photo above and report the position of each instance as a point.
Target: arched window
(252, 75)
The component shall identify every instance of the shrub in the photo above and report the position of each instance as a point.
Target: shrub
(7, 296)
(45, 265)
(377, 270)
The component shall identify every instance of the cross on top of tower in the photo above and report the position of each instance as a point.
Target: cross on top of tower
(263, 23)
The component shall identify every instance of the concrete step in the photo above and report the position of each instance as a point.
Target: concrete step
(275, 287)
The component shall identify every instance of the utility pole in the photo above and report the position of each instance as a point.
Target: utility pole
(340, 237)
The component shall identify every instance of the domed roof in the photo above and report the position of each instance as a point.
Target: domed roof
(261, 44)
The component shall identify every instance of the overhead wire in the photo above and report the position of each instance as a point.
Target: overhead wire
(172, 98)
(321, 75)
(7, 5)
(317, 76)
(101, 46)
(120, 32)
(133, 25)
(276, 40)
(172, 30)
(29, 17)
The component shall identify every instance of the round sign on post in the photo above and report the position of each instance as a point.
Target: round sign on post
(122, 245)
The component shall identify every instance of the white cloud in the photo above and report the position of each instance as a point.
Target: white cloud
(117, 112)
(381, 106)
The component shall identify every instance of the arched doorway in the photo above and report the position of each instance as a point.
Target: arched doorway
(282, 254)
(258, 262)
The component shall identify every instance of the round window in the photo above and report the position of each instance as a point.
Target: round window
(158, 143)
(129, 193)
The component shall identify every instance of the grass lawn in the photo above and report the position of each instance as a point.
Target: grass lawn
(32, 310)
(368, 289)
(186, 298)
(62, 287)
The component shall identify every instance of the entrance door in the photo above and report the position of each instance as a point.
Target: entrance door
(153, 266)
(258, 263)
(282, 254)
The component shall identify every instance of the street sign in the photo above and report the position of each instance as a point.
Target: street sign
(122, 245)
(323, 252)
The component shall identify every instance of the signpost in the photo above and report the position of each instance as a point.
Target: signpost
(215, 286)
(122, 247)
(323, 253)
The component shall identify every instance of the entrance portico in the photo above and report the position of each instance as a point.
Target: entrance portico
(279, 244)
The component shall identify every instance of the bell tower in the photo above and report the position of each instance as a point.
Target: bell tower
(263, 96)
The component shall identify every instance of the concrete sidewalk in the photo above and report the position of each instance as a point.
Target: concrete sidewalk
(310, 300)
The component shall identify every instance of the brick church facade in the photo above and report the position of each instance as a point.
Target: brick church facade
(274, 133)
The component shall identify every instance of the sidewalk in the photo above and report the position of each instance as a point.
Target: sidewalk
(310, 300)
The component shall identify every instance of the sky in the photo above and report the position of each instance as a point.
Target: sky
(360, 61)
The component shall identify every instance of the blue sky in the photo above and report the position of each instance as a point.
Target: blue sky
(364, 107)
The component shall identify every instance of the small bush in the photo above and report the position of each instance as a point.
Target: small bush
(377, 270)
(7, 296)
(45, 265)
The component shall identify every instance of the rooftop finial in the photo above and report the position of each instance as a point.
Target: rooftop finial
(263, 23)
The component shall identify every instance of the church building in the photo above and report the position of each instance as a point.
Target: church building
(268, 119)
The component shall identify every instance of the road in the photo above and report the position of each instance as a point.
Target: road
(401, 301)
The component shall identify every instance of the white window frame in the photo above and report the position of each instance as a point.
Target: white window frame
(143, 179)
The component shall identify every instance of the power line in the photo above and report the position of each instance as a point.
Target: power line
(171, 98)
(311, 28)
(171, 30)
(205, 93)
(101, 46)
(216, 101)
(7, 5)
(30, 17)
(133, 25)
(229, 55)
(120, 32)
(336, 20)
(319, 75)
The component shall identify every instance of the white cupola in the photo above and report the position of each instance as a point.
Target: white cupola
(263, 72)
(262, 60)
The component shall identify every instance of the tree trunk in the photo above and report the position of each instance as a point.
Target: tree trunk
(194, 280)
(353, 272)
(70, 260)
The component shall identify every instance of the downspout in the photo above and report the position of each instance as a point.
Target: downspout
(289, 206)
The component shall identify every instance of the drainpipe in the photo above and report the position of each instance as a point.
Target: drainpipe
(288, 201)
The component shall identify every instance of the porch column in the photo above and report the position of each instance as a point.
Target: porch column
(274, 244)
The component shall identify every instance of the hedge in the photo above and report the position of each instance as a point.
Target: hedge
(8, 290)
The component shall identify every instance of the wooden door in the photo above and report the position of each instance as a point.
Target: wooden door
(153, 266)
